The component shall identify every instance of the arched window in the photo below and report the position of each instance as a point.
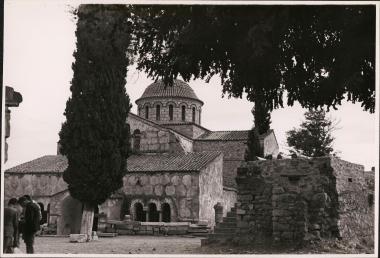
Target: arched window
(183, 113)
(166, 212)
(193, 115)
(146, 112)
(139, 212)
(153, 213)
(158, 111)
(200, 116)
(170, 112)
(136, 140)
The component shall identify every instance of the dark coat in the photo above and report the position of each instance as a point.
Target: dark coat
(10, 222)
(32, 218)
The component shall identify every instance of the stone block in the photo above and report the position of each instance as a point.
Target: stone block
(186, 180)
(170, 190)
(158, 190)
(165, 179)
(175, 180)
(240, 212)
(180, 190)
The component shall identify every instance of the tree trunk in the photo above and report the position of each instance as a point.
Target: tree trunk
(87, 220)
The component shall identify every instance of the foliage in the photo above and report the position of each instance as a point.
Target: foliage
(254, 148)
(262, 117)
(317, 54)
(314, 138)
(95, 136)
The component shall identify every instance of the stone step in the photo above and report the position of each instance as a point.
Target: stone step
(227, 225)
(198, 230)
(229, 219)
(102, 234)
(224, 230)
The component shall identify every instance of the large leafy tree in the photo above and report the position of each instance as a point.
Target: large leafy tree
(95, 136)
(317, 55)
(313, 138)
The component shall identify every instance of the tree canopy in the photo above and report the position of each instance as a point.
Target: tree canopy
(317, 55)
(313, 138)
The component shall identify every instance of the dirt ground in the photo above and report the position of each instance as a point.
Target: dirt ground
(174, 245)
(118, 245)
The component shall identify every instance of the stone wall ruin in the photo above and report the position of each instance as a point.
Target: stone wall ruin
(292, 200)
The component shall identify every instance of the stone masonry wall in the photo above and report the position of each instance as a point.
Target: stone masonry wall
(229, 199)
(180, 190)
(356, 211)
(210, 189)
(270, 145)
(292, 200)
(37, 185)
(233, 155)
(153, 138)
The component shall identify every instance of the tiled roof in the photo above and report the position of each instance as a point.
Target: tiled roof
(178, 89)
(45, 164)
(224, 136)
(135, 163)
(193, 161)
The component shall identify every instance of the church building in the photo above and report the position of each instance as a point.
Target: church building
(177, 172)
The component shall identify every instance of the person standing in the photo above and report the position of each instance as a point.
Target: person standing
(10, 226)
(31, 222)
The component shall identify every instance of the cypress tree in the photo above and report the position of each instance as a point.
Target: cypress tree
(254, 148)
(95, 135)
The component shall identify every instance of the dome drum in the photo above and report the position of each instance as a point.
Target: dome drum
(170, 104)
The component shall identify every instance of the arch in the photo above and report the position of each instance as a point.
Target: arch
(71, 216)
(193, 114)
(136, 140)
(171, 108)
(166, 212)
(139, 212)
(153, 214)
(156, 202)
(173, 208)
(183, 112)
(124, 209)
(147, 112)
(158, 112)
(133, 211)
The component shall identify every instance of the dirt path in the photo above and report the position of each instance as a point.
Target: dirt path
(118, 245)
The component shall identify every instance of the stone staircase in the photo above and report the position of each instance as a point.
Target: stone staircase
(223, 231)
(199, 230)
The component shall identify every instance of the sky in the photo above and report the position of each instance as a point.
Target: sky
(39, 42)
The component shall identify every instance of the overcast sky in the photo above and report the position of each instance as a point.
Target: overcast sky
(38, 46)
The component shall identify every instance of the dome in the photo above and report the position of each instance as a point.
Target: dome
(179, 89)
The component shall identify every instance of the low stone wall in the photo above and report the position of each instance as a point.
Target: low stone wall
(147, 228)
(292, 200)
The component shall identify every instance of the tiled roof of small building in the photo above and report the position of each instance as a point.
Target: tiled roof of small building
(44, 164)
(135, 163)
(178, 89)
(224, 136)
(193, 161)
